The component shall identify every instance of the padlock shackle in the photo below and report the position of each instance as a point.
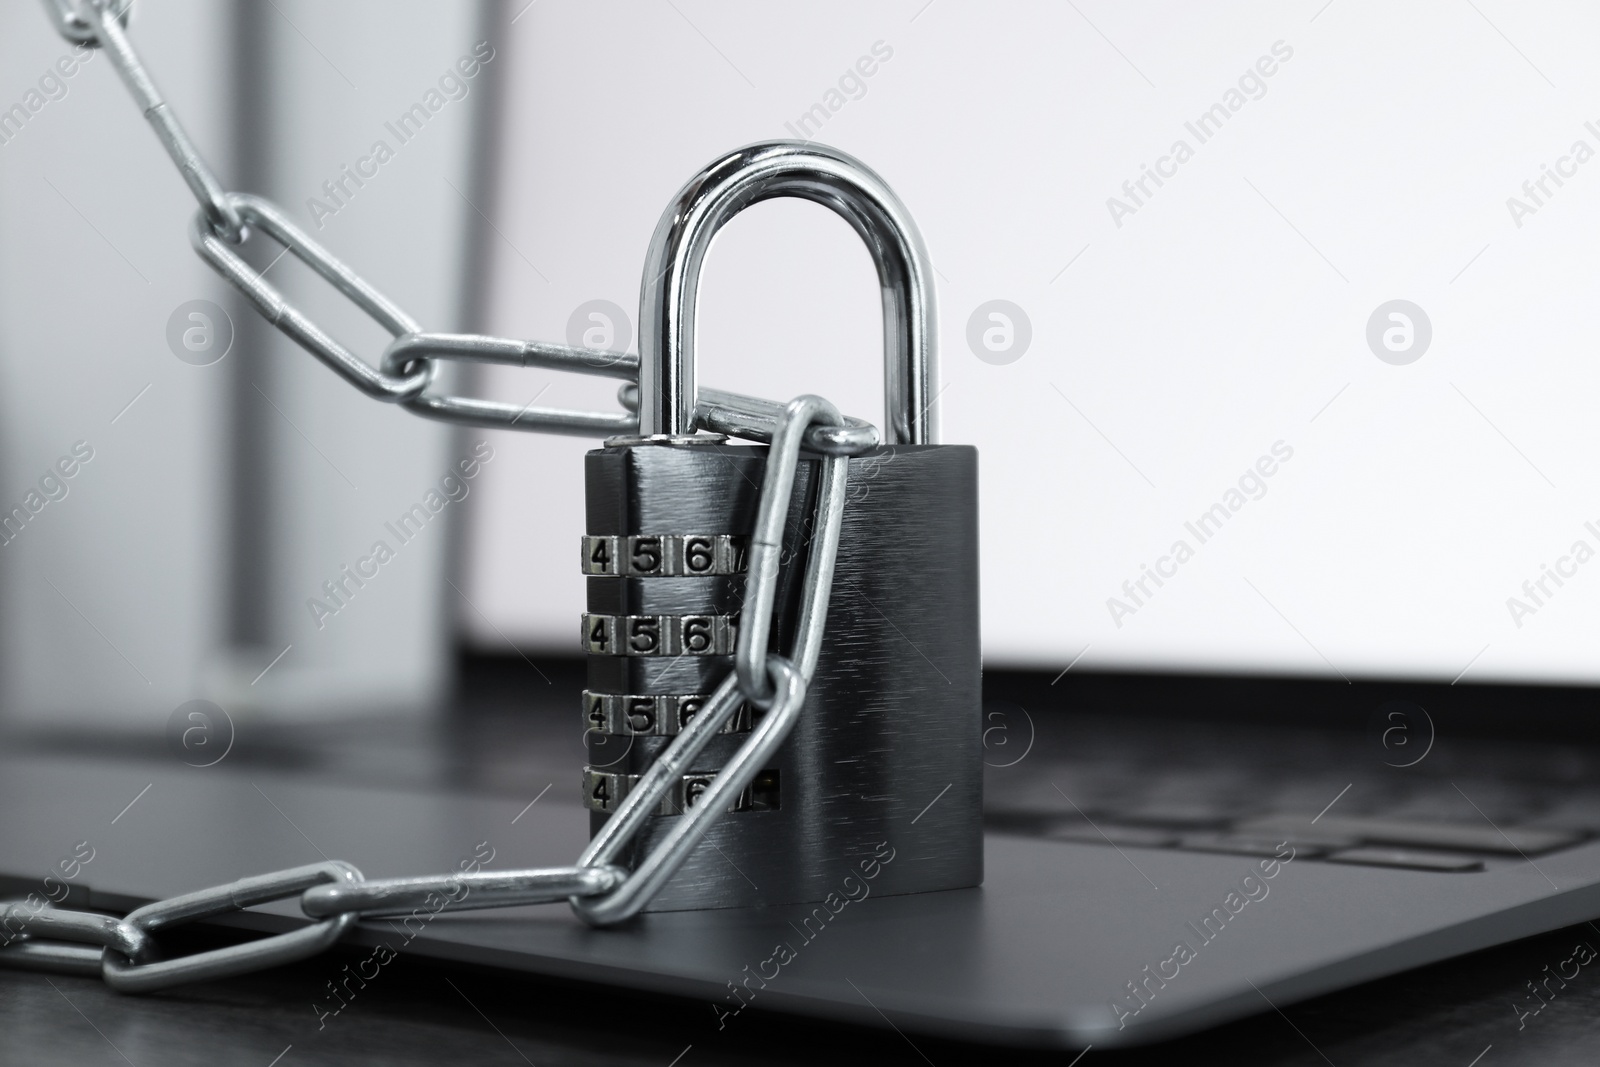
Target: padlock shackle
(670, 287)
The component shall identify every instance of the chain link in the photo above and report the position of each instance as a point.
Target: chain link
(106, 22)
(334, 894)
(407, 351)
(272, 305)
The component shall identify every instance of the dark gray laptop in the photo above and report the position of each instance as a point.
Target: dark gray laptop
(1145, 876)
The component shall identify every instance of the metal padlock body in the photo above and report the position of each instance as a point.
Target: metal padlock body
(886, 750)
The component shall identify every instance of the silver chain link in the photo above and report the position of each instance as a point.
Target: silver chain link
(126, 952)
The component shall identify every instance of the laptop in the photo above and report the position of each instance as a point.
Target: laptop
(1148, 873)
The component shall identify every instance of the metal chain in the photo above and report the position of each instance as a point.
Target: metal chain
(125, 952)
(227, 220)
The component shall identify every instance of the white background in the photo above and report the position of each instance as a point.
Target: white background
(1227, 314)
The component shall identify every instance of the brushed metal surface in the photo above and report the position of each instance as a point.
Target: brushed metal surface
(888, 744)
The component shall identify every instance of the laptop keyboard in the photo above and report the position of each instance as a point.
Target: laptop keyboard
(1133, 784)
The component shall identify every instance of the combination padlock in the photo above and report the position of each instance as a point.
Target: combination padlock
(885, 758)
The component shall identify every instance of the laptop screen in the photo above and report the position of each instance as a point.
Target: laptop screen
(1270, 324)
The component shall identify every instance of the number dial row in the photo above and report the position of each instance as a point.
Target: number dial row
(604, 791)
(660, 635)
(658, 716)
(664, 555)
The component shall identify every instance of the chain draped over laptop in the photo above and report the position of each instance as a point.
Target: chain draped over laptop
(126, 951)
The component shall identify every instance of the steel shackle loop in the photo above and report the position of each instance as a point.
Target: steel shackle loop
(762, 171)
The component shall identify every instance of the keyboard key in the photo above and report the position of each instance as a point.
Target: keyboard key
(1129, 836)
(1173, 813)
(1579, 810)
(1242, 845)
(1407, 858)
(1481, 837)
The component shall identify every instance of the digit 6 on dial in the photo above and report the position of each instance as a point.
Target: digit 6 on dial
(699, 555)
(699, 634)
